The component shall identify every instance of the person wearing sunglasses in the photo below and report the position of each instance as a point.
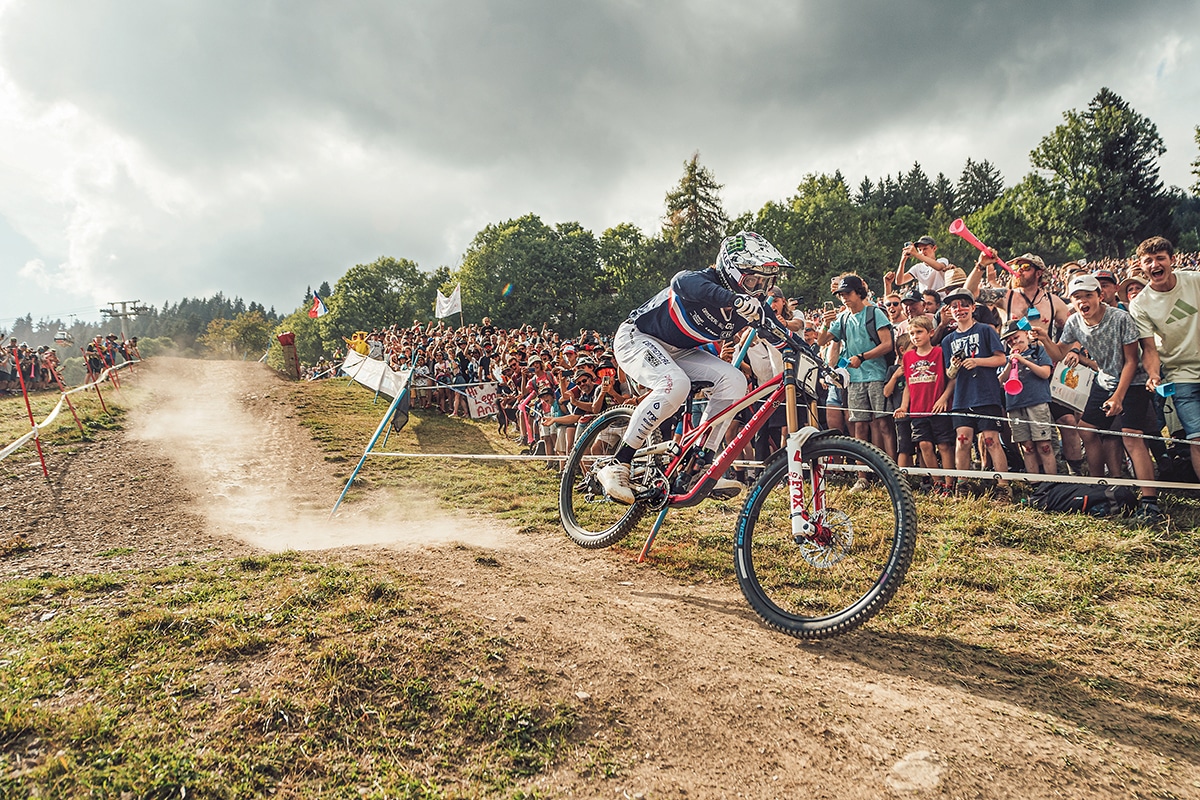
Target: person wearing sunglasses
(893, 306)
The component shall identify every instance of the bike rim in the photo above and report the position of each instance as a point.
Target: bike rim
(840, 576)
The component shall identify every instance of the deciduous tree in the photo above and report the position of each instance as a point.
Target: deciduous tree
(386, 291)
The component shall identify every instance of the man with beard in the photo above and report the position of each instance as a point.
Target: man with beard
(1166, 316)
(1046, 312)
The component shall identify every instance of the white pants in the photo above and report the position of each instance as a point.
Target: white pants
(668, 372)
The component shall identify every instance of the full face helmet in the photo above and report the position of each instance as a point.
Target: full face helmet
(749, 264)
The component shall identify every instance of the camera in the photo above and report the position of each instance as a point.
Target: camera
(907, 245)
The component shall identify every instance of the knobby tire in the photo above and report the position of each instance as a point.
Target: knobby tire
(590, 519)
(828, 588)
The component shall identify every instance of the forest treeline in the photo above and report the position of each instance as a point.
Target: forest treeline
(1094, 191)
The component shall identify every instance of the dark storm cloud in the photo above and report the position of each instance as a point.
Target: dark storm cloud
(473, 83)
(333, 133)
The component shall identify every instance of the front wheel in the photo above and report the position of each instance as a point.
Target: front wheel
(590, 518)
(833, 579)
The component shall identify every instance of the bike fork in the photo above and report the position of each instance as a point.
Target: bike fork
(802, 527)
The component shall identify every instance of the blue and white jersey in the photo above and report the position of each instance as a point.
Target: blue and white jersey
(694, 310)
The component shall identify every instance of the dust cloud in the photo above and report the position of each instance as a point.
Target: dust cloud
(257, 476)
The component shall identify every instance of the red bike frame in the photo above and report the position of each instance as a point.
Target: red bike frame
(773, 392)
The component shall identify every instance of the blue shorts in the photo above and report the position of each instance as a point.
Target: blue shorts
(1187, 408)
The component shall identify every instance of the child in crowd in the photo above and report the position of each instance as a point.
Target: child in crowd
(893, 392)
(1106, 339)
(924, 385)
(972, 352)
(1029, 408)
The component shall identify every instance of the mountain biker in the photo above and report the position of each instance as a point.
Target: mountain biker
(659, 347)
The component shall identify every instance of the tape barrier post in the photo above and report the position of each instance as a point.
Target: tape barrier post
(62, 387)
(35, 431)
(29, 409)
(379, 387)
(93, 379)
(383, 423)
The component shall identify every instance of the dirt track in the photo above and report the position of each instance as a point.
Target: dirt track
(714, 704)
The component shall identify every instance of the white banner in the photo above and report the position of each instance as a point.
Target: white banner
(449, 305)
(481, 400)
(375, 375)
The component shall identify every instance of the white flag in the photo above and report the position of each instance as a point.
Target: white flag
(449, 305)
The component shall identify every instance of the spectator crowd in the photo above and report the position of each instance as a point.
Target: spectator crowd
(40, 367)
(944, 367)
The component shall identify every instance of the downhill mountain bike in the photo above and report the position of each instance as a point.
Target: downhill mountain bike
(826, 533)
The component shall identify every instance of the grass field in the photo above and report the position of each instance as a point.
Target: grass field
(109, 697)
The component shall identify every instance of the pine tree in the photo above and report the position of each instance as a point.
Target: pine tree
(695, 222)
(980, 184)
(1104, 162)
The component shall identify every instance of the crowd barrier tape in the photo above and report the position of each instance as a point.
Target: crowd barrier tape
(981, 474)
(37, 426)
(1059, 425)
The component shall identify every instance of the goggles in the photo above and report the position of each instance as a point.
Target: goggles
(758, 282)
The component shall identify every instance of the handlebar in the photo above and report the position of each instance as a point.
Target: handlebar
(797, 343)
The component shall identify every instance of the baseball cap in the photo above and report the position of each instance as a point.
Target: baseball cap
(914, 296)
(1010, 328)
(1083, 283)
(568, 348)
(851, 283)
(924, 240)
(1105, 275)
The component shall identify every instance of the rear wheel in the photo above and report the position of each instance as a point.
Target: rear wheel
(590, 518)
(830, 581)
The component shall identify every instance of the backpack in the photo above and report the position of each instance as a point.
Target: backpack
(872, 327)
(1098, 501)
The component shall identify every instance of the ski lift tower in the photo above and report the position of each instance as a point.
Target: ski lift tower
(129, 309)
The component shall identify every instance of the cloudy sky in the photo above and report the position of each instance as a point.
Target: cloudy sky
(153, 150)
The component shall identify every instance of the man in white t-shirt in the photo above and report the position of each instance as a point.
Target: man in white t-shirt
(1167, 313)
(929, 271)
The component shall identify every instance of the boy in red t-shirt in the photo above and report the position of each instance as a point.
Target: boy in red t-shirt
(924, 385)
